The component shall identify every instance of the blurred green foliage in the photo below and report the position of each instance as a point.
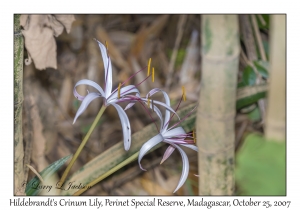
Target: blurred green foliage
(261, 167)
(254, 115)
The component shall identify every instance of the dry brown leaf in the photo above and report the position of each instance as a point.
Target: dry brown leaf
(55, 25)
(66, 20)
(39, 41)
(39, 141)
(24, 21)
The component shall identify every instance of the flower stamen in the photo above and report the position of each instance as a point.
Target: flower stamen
(119, 90)
(183, 93)
(106, 45)
(149, 64)
(148, 102)
(153, 74)
(194, 137)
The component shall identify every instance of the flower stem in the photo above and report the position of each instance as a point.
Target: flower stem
(64, 176)
(103, 176)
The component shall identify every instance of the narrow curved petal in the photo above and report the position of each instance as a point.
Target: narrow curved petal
(131, 104)
(193, 147)
(90, 83)
(185, 167)
(125, 126)
(107, 68)
(167, 99)
(149, 145)
(158, 112)
(174, 132)
(167, 154)
(108, 79)
(175, 141)
(86, 101)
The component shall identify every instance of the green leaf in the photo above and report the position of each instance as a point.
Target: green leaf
(262, 67)
(266, 19)
(249, 76)
(251, 99)
(261, 167)
(45, 174)
(266, 48)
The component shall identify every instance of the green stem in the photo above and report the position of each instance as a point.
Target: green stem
(86, 138)
(111, 171)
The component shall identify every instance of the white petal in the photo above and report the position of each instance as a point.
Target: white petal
(174, 132)
(108, 79)
(90, 83)
(167, 99)
(157, 111)
(107, 69)
(86, 101)
(125, 126)
(149, 145)
(185, 167)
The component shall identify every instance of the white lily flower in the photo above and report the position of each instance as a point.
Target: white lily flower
(110, 97)
(173, 136)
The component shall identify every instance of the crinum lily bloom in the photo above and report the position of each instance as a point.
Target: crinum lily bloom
(174, 136)
(110, 97)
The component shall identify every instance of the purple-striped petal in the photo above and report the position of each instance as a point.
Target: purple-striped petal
(174, 132)
(107, 68)
(158, 112)
(87, 82)
(167, 154)
(167, 102)
(185, 167)
(125, 126)
(193, 147)
(86, 101)
(149, 145)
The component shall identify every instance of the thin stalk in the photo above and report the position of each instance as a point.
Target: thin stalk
(111, 171)
(18, 103)
(86, 138)
(258, 39)
(276, 110)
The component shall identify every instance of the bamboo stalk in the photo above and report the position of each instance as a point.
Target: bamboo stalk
(276, 116)
(216, 111)
(18, 101)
